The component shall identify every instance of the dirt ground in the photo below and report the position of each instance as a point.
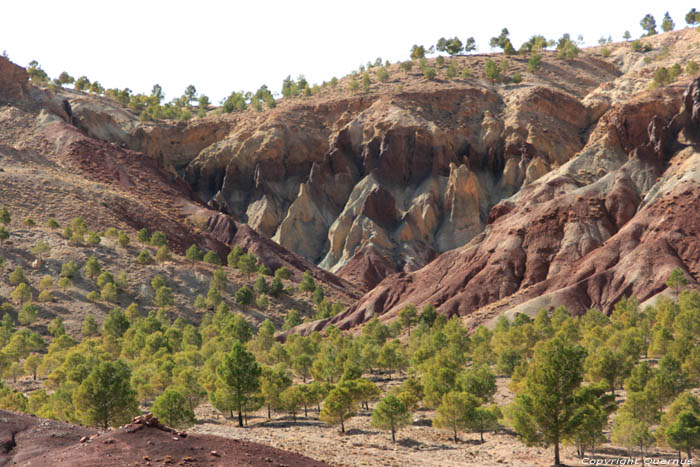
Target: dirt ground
(416, 445)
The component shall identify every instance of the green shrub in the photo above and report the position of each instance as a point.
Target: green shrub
(17, 276)
(451, 70)
(429, 73)
(109, 292)
(111, 232)
(104, 278)
(517, 78)
(143, 236)
(163, 254)
(93, 296)
(244, 296)
(28, 314)
(691, 67)
(21, 294)
(406, 66)
(158, 239)
(492, 71)
(29, 222)
(212, 258)
(466, 73)
(144, 257)
(262, 302)
(52, 224)
(122, 239)
(93, 239)
(45, 296)
(283, 273)
(605, 52)
(46, 282)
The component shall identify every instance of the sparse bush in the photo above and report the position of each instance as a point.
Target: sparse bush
(144, 236)
(28, 314)
(65, 283)
(46, 282)
(492, 71)
(691, 67)
(517, 78)
(109, 292)
(353, 85)
(92, 267)
(382, 75)
(69, 269)
(283, 273)
(212, 258)
(366, 81)
(244, 296)
(194, 254)
(451, 70)
(605, 52)
(466, 73)
(261, 286)
(566, 48)
(5, 218)
(307, 284)
(163, 254)
(111, 232)
(93, 239)
(276, 287)
(52, 224)
(29, 222)
(262, 302)
(104, 278)
(4, 234)
(122, 239)
(89, 328)
(406, 66)
(164, 297)
(45, 296)
(439, 60)
(158, 239)
(17, 276)
(144, 257)
(429, 73)
(21, 294)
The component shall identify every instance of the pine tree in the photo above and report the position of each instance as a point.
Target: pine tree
(391, 414)
(544, 410)
(105, 398)
(238, 376)
(172, 409)
(455, 411)
(667, 24)
(338, 407)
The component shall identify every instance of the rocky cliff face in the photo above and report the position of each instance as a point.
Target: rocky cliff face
(613, 221)
(378, 183)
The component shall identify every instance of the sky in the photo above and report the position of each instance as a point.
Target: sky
(224, 46)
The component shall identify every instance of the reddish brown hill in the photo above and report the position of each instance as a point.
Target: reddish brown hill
(43, 154)
(613, 221)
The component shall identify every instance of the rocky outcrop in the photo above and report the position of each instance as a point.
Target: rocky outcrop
(14, 81)
(613, 221)
(405, 176)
